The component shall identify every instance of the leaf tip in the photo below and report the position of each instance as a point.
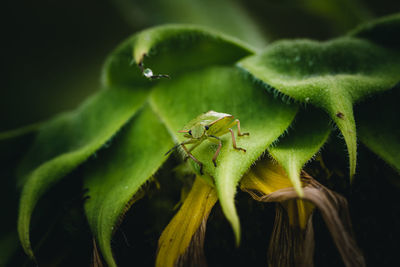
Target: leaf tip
(236, 231)
(294, 177)
(23, 225)
(299, 191)
(347, 127)
(228, 207)
(353, 160)
(352, 171)
(25, 241)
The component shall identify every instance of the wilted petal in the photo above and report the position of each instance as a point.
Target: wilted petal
(96, 260)
(292, 241)
(290, 245)
(182, 240)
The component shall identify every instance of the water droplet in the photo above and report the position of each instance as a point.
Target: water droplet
(148, 73)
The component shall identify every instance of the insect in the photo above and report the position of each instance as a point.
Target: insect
(208, 126)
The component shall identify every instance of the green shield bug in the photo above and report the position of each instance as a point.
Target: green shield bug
(209, 126)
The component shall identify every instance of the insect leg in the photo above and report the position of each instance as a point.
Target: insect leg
(191, 148)
(238, 126)
(218, 149)
(193, 158)
(234, 141)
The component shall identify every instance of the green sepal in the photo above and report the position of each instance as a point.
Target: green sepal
(331, 75)
(309, 132)
(66, 142)
(224, 89)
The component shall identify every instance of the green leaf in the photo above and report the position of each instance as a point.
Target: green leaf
(13, 144)
(380, 31)
(223, 15)
(331, 75)
(20, 132)
(309, 133)
(224, 89)
(118, 172)
(379, 126)
(68, 140)
(172, 50)
(195, 48)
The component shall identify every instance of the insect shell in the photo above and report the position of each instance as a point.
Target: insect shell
(209, 126)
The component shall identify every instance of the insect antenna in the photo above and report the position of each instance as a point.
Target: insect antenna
(172, 149)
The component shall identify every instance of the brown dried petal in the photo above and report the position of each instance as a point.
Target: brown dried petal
(286, 245)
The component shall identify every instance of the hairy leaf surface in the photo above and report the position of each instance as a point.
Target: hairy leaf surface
(13, 144)
(119, 171)
(67, 141)
(332, 75)
(173, 50)
(170, 50)
(224, 89)
(310, 131)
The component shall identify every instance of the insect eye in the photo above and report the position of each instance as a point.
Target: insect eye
(207, 127)
(190, 132)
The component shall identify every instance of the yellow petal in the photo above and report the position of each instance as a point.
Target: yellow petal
(268, 177)
(298, 211)
(178, 234)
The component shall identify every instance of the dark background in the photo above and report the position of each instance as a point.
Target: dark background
(52, 51)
